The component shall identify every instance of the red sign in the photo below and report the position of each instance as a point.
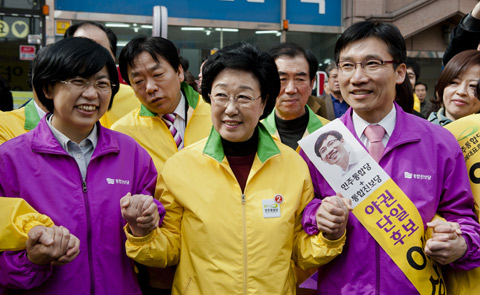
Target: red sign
(321, 78)
(27, 52)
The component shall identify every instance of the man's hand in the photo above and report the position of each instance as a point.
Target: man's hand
(332, 216)
(73, 249)
(141, 214)
(447, 243)
(54, 245)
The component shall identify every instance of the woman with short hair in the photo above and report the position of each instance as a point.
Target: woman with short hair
(233, 221)
(456, 88)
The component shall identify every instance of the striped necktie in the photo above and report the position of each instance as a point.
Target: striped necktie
(169, 119)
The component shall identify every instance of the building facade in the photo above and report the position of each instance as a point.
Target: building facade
(201, 27)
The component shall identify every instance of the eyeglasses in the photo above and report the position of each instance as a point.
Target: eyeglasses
(369, 66)
(329, 144)
(80, 84)
(222, 99)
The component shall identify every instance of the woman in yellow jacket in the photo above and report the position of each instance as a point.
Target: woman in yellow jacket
(233, 221)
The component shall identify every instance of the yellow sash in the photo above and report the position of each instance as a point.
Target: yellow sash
(393, 220)
(467, 133)
(382, 207)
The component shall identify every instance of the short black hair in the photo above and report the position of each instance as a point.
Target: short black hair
(411, 63)
(293, 50)
(38, 56)
(421, 83)
(155, 46)
(323, 137)
(246, 57)
(396, 47)
(69, 58)
(112, 38)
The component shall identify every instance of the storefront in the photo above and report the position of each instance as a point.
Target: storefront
(21, 35)
(200, 27)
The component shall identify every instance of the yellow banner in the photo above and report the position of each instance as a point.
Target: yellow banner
(379, 204)
(393, 220)
(467, 133)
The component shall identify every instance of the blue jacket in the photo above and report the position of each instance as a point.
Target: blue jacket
(35, 167)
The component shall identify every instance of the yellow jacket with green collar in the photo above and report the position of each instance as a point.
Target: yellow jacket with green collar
(151, 132)
(220, 237)
(314, 123)
(124, 102)
(17, 122)
(17, 218)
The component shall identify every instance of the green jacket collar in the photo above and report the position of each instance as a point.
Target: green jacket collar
(190, 94)
(31, 116)
(267, 147)
(314, 122)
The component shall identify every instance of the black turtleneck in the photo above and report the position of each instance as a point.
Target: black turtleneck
(240, 156)
(291, 131)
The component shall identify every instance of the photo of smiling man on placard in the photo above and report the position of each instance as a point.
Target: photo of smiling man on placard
(333, 150)
(335, 153)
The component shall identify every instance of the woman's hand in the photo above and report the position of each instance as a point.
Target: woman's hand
(51, 245)
(332, 216)
(141, 214)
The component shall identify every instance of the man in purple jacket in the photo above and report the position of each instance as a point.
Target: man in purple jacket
(424, 161)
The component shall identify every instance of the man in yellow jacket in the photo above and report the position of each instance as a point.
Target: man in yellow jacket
(152, 67)
(292, 119)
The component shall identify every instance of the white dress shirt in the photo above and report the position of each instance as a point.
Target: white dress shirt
(388, 123)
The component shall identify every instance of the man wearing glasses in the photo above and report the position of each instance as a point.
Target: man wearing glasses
(332, 149)
(423, 160)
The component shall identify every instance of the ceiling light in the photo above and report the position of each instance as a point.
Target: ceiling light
(191, 29)
(266, 32)
(117, 25)
(226, 30)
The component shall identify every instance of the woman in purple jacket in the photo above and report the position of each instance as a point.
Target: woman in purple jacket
(75, 171)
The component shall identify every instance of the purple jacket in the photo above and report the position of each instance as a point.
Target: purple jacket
(418, 147)
(35, 167)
